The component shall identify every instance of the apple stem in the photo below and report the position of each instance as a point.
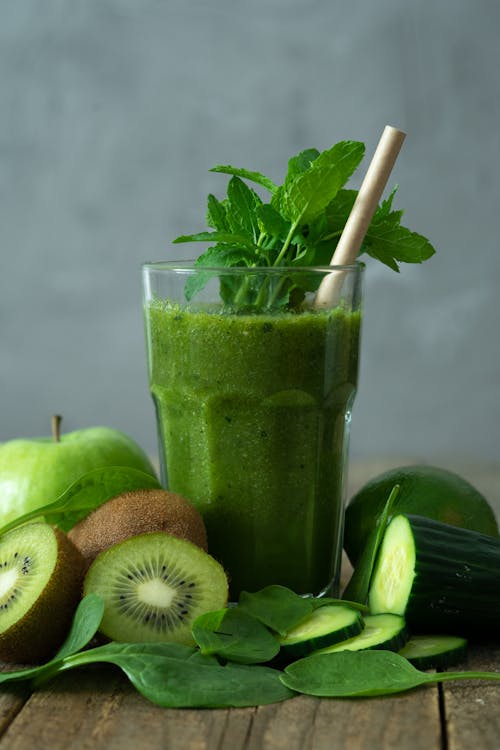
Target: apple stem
(56, 425)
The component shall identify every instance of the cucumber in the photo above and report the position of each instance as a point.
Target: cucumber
(326, 625)
(442, 578)
(434, 651)
(383, 631)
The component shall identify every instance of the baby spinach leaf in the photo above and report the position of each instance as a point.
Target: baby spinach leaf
(87, 493)
(85, 624)
(352, 673)
(176, 676)
(277, 607)
(364, 673)
(235, 635)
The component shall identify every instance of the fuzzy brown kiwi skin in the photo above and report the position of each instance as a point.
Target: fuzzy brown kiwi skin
(38, 635)
(138, 512)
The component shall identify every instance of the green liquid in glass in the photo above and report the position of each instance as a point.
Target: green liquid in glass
(253, 413)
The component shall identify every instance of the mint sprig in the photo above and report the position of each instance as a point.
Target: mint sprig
(299, 226)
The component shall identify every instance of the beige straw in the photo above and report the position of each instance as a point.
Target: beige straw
(362, 212)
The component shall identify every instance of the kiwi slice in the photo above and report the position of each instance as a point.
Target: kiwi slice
(154, 585)
(41, 576)
(138, 512)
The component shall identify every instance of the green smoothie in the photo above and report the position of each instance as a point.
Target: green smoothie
(253, 411)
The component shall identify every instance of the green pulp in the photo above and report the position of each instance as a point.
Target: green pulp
(253, 413)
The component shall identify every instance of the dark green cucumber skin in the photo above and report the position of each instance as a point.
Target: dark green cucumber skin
(438, 661)
(304, 648)
(456, 588)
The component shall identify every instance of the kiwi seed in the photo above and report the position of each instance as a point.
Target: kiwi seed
(41, 576)
(154, 585)
(134, 513)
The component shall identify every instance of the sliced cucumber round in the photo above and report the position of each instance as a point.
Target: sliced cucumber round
(326, 625)
(434, 651)
(384, 631)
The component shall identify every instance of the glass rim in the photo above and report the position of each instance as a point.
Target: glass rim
(187, 266)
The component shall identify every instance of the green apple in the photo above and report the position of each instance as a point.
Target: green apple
(34, 472)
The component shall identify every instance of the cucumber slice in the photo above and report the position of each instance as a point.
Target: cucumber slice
(443, 579)
(434, 651)
(326, 625)
(384, 631)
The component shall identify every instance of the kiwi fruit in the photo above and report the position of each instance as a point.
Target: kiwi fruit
(41, 578)
(138, 512)
(154, 585)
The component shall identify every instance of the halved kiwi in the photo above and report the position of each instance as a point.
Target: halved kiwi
(154, 585)
(132, 513)
(41, 575)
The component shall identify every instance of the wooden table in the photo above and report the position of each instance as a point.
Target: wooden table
(96, 708)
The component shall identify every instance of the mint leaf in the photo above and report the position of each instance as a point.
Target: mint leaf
(300, 163)
(217, 214)
(310, 193)
(345, 156)
(272, 223)
(218, 256)
(391, 243)
(230, 238)
(257, 177)
(243, 204)
(299, 226)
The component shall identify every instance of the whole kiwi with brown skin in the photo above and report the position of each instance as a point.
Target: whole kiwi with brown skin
(138, 512)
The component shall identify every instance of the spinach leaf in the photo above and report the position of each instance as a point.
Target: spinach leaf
(277, 607)
(176, 676)
(85, 624)
(363, 674)
(235, 635)
(87, 493)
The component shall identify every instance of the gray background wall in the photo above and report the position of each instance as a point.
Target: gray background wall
(111, 114)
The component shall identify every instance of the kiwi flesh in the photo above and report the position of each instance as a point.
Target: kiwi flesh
(138, 512)
(154, 585)
(41, 578)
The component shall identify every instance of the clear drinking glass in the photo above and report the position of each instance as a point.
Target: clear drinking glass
(253, 403)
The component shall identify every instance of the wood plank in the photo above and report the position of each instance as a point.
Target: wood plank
(97, 708)
(401, 722)
(12, 700)
(471, 707)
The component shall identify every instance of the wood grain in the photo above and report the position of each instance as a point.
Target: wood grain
(98, 709)
(471, 707)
